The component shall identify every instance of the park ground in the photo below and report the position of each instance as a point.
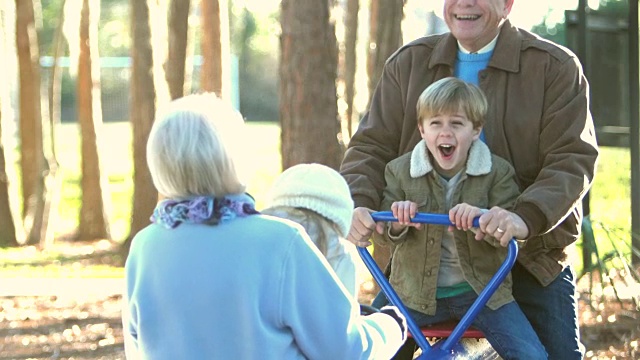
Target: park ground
(54, 318)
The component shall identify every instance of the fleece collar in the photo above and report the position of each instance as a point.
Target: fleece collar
(478, 162)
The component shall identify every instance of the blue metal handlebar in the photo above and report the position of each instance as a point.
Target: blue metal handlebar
(476, 307)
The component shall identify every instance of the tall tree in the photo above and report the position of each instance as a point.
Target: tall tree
(308, 70)
(29, 104)
(143, 96)
(350, 58)
(8, 229)
(32, 160)
(385, 36)
(178, 36)
(50, 125)
(55, 78)
(215, 73)
(94, 213)
(7, 225)
(11, 229)
(52, 185)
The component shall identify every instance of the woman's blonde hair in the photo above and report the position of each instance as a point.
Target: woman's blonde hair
(450, 95)
(191, 149)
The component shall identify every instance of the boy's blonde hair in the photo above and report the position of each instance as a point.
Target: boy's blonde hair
(450, 95)
(190, 150)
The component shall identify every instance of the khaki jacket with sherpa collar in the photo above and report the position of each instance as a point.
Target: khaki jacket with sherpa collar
(487, 181)
(538, 120)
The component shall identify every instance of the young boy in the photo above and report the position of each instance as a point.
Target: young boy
(439, 273)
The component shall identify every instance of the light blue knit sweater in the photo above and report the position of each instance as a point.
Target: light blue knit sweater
(252, 288)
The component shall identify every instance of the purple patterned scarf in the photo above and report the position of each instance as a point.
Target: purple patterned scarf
(202, 210)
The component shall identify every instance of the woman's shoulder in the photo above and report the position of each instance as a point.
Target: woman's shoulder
(262, 226)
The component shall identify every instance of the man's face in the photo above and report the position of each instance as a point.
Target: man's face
(475, 22)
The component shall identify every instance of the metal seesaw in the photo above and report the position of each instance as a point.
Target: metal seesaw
(447, 347)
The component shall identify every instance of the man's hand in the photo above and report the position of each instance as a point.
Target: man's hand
(362, 226)
(502, 225)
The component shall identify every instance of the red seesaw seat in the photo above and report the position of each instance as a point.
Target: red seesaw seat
(444, 329)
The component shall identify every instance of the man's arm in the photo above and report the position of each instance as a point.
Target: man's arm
(568, 142)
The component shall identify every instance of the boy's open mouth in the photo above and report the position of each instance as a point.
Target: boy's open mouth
(446, 150)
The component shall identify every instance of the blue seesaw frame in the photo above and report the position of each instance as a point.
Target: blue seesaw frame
(445, 348)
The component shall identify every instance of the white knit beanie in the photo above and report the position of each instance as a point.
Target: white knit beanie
(318, 188)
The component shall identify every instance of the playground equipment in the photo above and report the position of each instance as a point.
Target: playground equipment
(448, 347)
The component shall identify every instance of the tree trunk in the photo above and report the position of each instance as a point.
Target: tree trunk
(93, 220)
(31, 153)
(385, 37)
(55, 80)
(178, 36)
(51, 184)
(143, 95)
(50, 121)
(350, 59)
(215, 75)
(308, 69)
(11, 227)
(8, 233)
(32, 160)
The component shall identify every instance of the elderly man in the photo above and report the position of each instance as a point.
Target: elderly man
(538, 120)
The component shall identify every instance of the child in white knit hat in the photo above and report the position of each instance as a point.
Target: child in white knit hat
(318, 198)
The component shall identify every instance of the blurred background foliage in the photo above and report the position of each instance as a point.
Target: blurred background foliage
(254, 42)
(555, 30)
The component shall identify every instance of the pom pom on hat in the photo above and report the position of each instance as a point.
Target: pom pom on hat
(318, 188)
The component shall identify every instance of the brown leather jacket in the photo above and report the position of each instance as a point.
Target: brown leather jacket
(538, 120)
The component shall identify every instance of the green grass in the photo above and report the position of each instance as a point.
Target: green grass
(116, 161)
(610, 202)
(611, 192)
(62, 260)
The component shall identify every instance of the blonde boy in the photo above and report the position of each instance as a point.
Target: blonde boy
(439, 273)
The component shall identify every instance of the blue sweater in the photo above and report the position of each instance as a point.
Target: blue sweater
(252, 288)
(467, 68)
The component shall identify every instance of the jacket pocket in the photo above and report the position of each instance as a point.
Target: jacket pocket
(484, 259)
(421, 198)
